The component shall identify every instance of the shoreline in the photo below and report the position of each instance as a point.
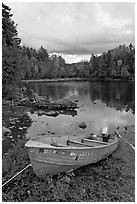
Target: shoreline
(75, 79)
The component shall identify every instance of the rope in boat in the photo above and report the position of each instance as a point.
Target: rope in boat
(125, 141)
(16, 175)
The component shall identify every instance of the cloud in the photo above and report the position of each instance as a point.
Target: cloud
(69, 58)
(76, 27)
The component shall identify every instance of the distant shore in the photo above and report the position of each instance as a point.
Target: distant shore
(75, 79)
(55, 80)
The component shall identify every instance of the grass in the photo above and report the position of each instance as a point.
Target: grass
(109, 180)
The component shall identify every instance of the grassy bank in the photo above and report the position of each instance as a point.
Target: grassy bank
(112, 179)
(109, 180)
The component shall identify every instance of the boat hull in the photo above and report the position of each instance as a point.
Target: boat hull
(43, 168)
(47, 160)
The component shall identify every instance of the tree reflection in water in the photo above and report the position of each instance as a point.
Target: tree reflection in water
(115, 94)
(118, 95)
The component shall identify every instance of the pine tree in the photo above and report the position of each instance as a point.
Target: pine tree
(9, 31)
(10, 50)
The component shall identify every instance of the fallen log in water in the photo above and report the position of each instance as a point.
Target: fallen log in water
(34, 100)
(51, 105)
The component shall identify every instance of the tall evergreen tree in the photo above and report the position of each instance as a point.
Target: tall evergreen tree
(10, 50)
(9, 31)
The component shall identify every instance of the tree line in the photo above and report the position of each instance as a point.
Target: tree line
(23, 63)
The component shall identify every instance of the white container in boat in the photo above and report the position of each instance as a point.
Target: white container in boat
(104, 130)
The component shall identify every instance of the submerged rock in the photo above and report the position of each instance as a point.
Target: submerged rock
(82, 125)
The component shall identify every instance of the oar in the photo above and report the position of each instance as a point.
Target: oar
(16, 175)
(125, 140)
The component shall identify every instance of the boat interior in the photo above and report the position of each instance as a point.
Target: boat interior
(72, 141)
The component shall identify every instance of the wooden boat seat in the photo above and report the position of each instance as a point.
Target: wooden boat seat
(94, 142)
(55, 144)
(77, 144)
(58, 145)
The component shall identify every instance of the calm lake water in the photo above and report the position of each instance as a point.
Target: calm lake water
(100, 103)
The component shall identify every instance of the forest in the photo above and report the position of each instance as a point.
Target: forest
(24, 63)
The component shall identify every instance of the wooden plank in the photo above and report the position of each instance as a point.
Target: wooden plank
(54, 143)
(77, 144)
(94, 142)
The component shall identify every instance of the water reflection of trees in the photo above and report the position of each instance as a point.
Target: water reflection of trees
(53, 91)
(119, 95)
(59, 90)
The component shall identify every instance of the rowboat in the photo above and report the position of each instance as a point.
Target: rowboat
(56, 154)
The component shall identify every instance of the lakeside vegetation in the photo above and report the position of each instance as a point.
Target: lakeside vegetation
(25, 63)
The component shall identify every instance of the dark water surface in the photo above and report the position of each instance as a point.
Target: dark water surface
(100, 103)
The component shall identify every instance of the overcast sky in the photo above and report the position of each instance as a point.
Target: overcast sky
(76, 29)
